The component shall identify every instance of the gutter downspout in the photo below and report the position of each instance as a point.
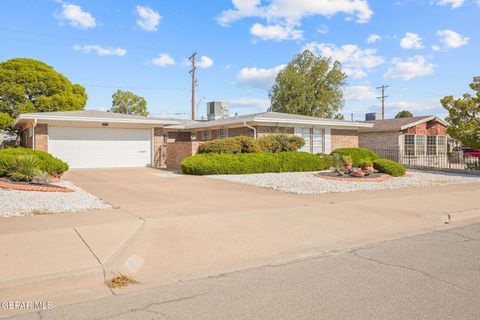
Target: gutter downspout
(33, 133)
(253, 128)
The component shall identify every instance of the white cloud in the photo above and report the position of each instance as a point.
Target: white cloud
(428, 105)
(452, 39)
(436, 48)
(205, 62)
(260, 104)
(355, 60)
(360, 92)
(259, 77)
(276, 32)
(409, 68)
(295, 10)
(163, 60)
(148, 19)
(101, 51)
(411, 41)
(452, 3)
(323, 29)
(77, 17)
(373, 38)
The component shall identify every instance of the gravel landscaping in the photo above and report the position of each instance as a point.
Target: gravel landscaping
(18, 203)
(308, 183)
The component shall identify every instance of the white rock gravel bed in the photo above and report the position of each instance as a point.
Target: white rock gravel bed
(18, 203)
(308, 183)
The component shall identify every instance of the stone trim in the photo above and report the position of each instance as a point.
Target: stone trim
(32, 187)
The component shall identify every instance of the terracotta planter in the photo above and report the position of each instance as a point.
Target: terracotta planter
(367, 167)
(347, 166)
(358, 174)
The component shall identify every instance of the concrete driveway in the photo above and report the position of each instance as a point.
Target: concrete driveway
(167, 228)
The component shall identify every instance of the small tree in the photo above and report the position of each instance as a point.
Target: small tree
(5, 121)
(404, 114)
(464, 116)
(309, 85)
(128, 103)
(28, 85)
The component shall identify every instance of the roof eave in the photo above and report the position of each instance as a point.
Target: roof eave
(84, 119)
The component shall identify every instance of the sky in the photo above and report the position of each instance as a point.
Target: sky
(423, 50)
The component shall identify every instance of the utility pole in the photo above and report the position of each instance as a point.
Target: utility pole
(382, 98)
(194, 82)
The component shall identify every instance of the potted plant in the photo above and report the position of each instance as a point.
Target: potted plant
(347, 162)
(337, 163)
(358, 173)
(366, 165)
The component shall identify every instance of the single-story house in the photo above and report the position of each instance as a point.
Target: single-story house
(96, 139)
(414, 136)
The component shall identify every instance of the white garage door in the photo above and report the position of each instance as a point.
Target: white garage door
(101, 147)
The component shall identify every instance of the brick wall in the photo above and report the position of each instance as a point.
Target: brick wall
(379, 140)
(242, 131)
(177, 151)
(41, 137)
(344, 139)
(428, 128)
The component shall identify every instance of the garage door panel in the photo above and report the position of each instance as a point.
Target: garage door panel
(101, 147)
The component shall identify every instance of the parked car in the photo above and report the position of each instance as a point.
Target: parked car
(469, 152)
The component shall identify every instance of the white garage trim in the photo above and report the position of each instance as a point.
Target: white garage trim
(83, 147)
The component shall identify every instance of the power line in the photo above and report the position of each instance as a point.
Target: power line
(132, 87)
(382, 98)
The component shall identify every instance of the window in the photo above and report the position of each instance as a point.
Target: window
(306, 135)
(409, 141)
(222, 133)
(207, 135)
(442, 145)
(318, 140)
(420, 142)
(431, 145)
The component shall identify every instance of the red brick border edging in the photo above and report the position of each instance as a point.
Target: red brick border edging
(32, 187)
(383, 177)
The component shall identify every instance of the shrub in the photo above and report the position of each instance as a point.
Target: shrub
(48, 163)
(228, 145)
(357, 154)
(24, 167)
(244, 163)
(248, 144)
(390, 167)
(280, 143)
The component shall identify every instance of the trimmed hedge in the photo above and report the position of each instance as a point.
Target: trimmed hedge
(47, 162)
(358, 155)
(245, 163)
(390, 167)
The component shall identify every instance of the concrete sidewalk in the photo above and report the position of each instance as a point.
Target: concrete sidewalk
(185, 235)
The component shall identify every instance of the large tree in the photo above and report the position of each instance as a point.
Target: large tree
(464, 116)
(129, 103)
(28, 85)
(404, 114)
(309, 85)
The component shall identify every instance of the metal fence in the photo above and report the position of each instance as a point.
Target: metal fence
(450, 161)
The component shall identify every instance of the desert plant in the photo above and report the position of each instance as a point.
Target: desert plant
(244, 163)
(347, 159)
(24, 167)
(365, 162)
(390, 167)
(337, 162)
(357, 154)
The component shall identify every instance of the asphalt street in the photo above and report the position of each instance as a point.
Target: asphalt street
(430, 276)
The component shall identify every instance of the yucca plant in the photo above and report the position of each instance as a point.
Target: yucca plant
(24, 167)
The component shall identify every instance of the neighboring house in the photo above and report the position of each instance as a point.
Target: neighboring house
(95, 139)
(415, 136)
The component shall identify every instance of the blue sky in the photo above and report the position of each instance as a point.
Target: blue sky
(423, 50)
